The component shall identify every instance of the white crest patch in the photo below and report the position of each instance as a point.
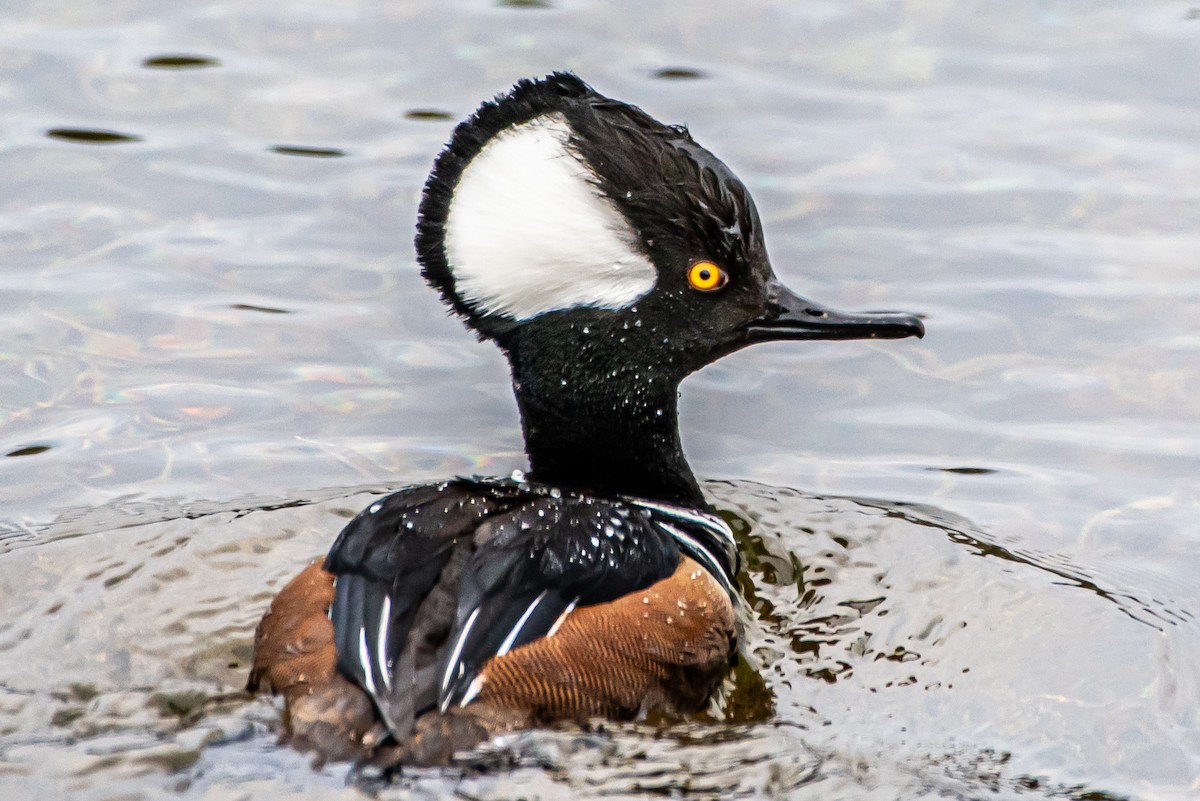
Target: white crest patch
(529, 232)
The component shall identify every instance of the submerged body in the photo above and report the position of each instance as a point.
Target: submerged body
(608, 256)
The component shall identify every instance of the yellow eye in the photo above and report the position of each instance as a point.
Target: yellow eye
(706, 276)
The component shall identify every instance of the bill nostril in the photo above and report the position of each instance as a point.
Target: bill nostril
(816, 313)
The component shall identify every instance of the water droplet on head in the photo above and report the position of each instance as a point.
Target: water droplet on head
(518, 476)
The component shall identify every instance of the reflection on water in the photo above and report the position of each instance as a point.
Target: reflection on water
(91, 137)
(29, 450)
(208, 294)
(432, 115)
(180, 62)
(678, 74)
(312, 152)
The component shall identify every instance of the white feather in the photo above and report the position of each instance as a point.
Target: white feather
(705, 555)
(385, 627)
(507, 645)
(711, 522)
(562, 618)
(364, 659)
(528, 231)
(472, 690)
(454, 666)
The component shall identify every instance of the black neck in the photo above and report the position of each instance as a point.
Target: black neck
(611, 434)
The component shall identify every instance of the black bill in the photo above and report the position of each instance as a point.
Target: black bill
(790, 316)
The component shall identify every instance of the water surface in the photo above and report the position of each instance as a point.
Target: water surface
(214, 342)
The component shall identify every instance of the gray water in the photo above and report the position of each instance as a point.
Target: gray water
(971, 559)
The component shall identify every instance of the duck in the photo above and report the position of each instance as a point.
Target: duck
(608, 256)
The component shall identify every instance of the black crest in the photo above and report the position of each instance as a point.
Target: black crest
(677, 196)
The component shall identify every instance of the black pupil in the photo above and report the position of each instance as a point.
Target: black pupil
(704, 276)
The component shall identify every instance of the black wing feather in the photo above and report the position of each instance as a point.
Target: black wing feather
(388, 562)
(536, 561)
(434, 581)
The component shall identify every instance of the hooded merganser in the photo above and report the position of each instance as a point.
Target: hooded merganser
(609, 256)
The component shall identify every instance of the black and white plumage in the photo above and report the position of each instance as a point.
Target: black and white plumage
(608, 256)
(554, 184)
(580, 273)
(513, 556)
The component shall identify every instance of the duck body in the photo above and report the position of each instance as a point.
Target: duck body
(608, 256)
(516, 600)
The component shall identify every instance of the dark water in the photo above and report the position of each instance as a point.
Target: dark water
(214, 344)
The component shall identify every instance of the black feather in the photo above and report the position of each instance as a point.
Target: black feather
(563, 550)
(676, 195)
(481, 552)
(400, 548)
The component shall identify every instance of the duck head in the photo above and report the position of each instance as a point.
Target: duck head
(609, 256)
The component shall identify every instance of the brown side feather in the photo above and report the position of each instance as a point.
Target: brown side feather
(294, 657)
(667, 646)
